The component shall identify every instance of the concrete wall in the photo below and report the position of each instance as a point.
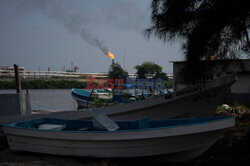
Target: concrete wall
(240, 90)
(15, 105)
(216, 69)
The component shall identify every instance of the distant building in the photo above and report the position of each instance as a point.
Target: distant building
(9, 72)
(240, 91)
(9, 69)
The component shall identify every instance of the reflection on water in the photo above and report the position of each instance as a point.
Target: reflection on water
(49, 99)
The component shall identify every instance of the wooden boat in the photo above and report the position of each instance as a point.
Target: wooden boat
(199, 100)
(173, 139)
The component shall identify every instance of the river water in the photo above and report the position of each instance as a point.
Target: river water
(49, 99)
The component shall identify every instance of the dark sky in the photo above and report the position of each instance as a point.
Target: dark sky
(53, 33)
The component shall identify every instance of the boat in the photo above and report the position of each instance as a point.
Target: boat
(86, 97)
(173, 140)
(197, 100)
(131, 91)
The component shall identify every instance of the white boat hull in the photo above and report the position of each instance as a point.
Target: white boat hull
(82, 103)
(179, 143)
(121, 148)
(193, 104)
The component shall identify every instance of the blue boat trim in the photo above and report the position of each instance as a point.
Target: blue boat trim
(138, 125)
(83, 95)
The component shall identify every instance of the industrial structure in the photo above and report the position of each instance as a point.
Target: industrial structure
(8, 72)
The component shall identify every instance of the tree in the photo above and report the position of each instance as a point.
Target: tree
(208, 27)
(148, 69)
(118, 72)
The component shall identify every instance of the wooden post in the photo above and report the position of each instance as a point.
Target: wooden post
(17, 77)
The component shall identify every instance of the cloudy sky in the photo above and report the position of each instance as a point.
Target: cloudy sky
(53, 33)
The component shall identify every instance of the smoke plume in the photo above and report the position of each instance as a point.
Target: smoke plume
(77, 19)
(75, 23)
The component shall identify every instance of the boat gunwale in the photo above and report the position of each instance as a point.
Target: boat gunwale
(162, 100)
(221, 118)
(158, 103)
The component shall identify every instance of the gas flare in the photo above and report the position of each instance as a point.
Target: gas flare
(110, 55)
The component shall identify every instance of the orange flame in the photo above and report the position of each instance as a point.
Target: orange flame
(212, 57)
(110, 55)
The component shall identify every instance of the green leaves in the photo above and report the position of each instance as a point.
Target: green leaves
(117, 73)
(149, 69)
(208, 27)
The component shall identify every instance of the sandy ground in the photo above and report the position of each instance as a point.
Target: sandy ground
(233, 149)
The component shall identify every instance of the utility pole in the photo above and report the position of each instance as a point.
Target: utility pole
(39, 70)
(113, 65)
(71, 66)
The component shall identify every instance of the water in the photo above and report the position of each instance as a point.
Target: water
(49, 99)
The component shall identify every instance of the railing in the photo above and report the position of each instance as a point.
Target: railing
(57, 74)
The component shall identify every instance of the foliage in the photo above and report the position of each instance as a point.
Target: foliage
(169, 83)
(240, 106)
(207, 27)
(236, 105)
(117, 72)
(149, 69)
(241, 112)
(161, 75)
(43, 84)
(98, 103)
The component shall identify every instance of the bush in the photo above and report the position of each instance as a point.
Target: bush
(169, 83)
